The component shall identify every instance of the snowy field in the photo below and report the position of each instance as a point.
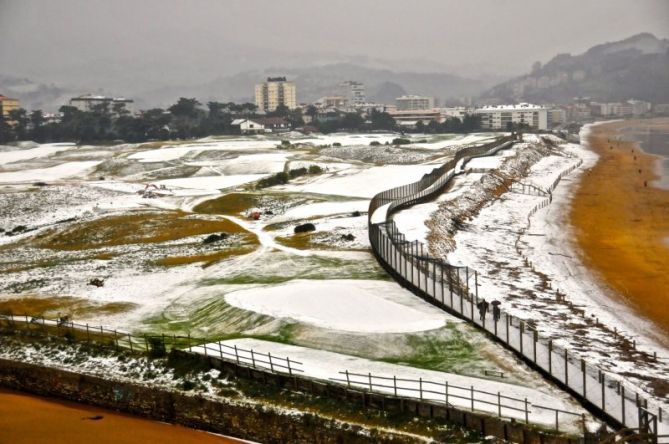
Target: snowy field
(532, 267)
(137, 216)
(328, 366)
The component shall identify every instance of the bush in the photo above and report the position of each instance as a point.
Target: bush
(305, 228)
(297, 172)
(401, 141)
(277, 179)
(156, 347)
(315, 169)
(336, 144)
(374, 143)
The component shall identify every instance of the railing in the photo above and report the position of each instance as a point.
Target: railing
(248, 358)
(86, 333)
(467, 398)
(448, 287)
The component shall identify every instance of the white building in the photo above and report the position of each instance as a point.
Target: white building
(406, 103)
(88, 102)
(639, 107)
(502, 117)
(248, 126)
(556, 116)
(353, 92)
(276, 91)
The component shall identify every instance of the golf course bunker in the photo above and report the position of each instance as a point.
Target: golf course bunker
(366, 306)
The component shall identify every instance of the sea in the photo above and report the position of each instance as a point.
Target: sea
(653, 140)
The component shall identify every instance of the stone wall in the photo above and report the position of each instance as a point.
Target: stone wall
(246, 421)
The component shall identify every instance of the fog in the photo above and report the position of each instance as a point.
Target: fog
(135, 45)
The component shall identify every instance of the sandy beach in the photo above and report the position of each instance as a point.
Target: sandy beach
(621, 221)
(27, 419)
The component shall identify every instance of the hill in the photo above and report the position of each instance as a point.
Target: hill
(637, 67)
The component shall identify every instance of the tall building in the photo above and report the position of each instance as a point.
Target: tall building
(7, 105)
(501, 117)
(407, 103)
(88, 102)
(353, 92)
(274, 92)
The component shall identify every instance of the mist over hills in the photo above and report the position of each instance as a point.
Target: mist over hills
(636, 67)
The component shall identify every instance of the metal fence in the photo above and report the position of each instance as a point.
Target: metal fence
(467, 398)
(449, 287)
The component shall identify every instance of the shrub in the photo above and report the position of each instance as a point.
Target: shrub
(277, 179)
(304, 228)
(297, 172)
(401, 141)
(315, 169)
(336, 144)
(156, 347)
(374, 143)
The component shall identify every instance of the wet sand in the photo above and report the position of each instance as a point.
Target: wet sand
(621, 221)
(28, 419)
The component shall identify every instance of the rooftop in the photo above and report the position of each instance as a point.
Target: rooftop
(517, 107)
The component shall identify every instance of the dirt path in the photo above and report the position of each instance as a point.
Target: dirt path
(621, 222)
(27, 419)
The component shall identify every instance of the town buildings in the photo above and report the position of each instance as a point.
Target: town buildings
(6, 105)
(276, 91)
(88, 102)
(353, 92)
(411, 102)
(504, 117)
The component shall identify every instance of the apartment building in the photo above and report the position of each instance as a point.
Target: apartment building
(411, 102)
(6, 105)
(502, 117)
(353, 92)
(88, 102)
(276, 91)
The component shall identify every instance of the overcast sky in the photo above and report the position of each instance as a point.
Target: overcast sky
(43, 38)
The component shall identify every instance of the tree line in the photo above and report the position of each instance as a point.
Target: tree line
(187, 119)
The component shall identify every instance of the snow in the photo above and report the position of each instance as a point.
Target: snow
(208, 184)
(458, 140)
(322, 209)
(266, 163)
(327, 366)
(348, 305)
(516, 258)
(362, 182)
(58, 172)
(34, 153)
(169, 153)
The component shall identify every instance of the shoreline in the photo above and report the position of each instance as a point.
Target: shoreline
(618, 225)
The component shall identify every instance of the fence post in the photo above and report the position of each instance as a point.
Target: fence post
(420, 388)
(602, 381)
(253, 359)
(348, 381)
(130, 342)
(622, 396)
(115, 340)
(476, 287)
(220, 351)
(499, 404)
(550, 356)
(395, 384)
(236, 352)
(271, 365)
(522, 330)
(446, 391)
(290, 372)
(527, 413)
(566, 367)
(370, 383)
(584, 376)
(557, 424)
(472, 396)
(88, 334)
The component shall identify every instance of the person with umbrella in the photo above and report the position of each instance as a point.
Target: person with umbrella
(496, 312)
